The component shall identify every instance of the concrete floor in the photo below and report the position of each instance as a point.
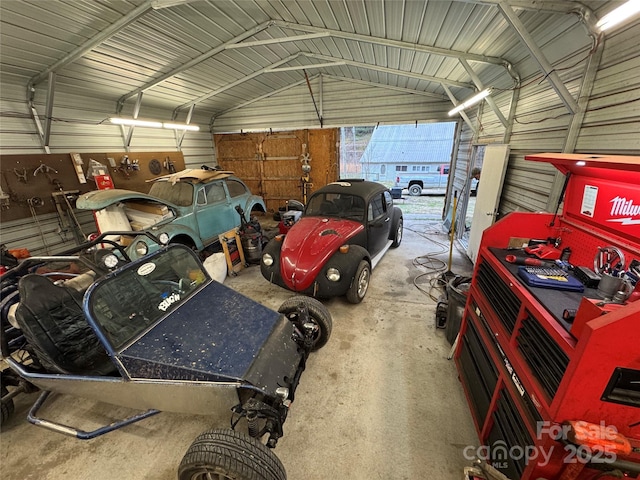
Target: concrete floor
(380, 400)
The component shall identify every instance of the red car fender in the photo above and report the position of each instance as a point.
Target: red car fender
(308, 246)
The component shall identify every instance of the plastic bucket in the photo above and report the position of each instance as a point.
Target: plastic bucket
(457, 291)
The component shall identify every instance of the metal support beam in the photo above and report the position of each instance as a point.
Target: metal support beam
(136, 111)
(550, 74)
(180, 138)
(515, 96)
(305, 67)
(36, 119)
(274, 68)
(320, 96)
(396, 43)
(262, 97)
(455, 102)
(334, 77)
(296, 38)
(588, 80)
(393, 71)
(586, 88)
(480, 86)
(388, 87)
(587, 16)
(48, 115)
(94, 41)
(233, 84)
(194, 62)
(123, 132)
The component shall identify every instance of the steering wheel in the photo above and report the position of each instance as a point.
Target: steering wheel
(168, 285)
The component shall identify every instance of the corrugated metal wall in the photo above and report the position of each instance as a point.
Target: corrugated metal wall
(340, 103)
(612, 122)
(543, 124)
(80, 125)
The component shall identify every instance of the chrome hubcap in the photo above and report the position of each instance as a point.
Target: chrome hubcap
(363, 282)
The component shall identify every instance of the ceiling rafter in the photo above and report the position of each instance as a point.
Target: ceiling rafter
(536, 53)
(334, 60)
(193, 62)
(480, 86)
(266, 95)
(93, 42)
(393, 71)
(334, 77)
(445, 52)
(235, 43)
(504, 6)
(587, 16)
(226, 87)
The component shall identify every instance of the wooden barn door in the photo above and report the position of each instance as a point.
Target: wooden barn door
(270, 163)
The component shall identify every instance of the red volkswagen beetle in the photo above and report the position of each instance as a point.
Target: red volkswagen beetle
(346, 228)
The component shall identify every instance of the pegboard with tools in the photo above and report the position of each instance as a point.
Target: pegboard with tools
(39, 184)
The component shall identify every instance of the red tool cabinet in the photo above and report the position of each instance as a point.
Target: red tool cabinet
(524, 369)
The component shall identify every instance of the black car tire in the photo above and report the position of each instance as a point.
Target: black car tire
(7, 407)
(227, 454)
(397, 236)
(360, 283)
(415, 190)
(318, 313)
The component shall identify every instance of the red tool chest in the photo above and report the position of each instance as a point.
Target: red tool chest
(525, 370)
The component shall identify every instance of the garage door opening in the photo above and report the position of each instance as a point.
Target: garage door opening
(414, 158)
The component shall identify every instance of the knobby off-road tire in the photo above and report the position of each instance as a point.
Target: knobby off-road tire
(230, 455)
(6, 407)
(318, 313)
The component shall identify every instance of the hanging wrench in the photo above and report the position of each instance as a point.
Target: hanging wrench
(21, 176)
(45, 169)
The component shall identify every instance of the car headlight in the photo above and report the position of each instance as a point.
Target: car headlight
(163, 238)
(267, 259)
(333, 274)
(141, 248)
(110, 261)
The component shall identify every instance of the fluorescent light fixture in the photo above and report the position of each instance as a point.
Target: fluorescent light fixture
(620, 14)
(471, 101)
(181, 126)
(134, 122)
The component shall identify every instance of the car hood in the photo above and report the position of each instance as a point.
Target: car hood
(237, 340)
(308, 246)
(99, 199)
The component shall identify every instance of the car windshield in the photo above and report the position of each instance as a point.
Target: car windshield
(341, 205)
(180, 193)
(127, 303)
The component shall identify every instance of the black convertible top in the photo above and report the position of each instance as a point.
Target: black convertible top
(354, 186)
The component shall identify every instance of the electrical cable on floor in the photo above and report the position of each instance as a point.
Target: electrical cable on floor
(434, 266)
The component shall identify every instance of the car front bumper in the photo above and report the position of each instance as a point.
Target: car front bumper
(322, 287)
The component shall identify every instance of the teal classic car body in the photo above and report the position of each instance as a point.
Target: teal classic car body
(191, 207)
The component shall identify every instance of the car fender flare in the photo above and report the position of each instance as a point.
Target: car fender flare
(396, 215)
(174, 231)
(254, 202)
(353, 257)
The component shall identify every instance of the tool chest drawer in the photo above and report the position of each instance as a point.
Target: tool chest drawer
(526, 370)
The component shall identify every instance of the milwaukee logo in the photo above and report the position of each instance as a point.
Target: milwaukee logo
(621, 207)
